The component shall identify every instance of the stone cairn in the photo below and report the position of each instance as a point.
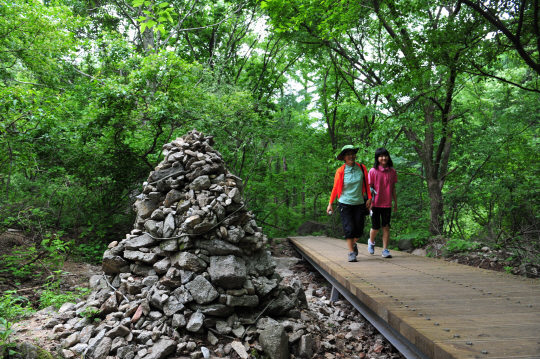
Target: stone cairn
(194, 265)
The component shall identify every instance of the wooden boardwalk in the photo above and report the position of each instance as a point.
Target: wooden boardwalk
(447, 310)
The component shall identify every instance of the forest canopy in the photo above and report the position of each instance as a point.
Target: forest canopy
(90, 90)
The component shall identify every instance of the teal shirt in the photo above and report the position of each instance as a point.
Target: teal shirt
(352, 186)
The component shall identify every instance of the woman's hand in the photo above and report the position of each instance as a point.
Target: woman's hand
(395, 207)
(329, 209)
(368, 204)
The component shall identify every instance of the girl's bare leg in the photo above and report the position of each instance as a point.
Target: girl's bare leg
(386, 236)
(373, 234)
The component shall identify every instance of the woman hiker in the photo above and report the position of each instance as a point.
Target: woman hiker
(350, 186)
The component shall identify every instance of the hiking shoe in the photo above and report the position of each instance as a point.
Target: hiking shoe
(355, 249)
(352, 257)
(370, 247)
(386, 253)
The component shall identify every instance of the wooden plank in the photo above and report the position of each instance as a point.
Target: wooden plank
(494, 311)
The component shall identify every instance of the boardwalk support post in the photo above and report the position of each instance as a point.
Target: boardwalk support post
(334, 294)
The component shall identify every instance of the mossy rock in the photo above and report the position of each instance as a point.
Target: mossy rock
(29, 351)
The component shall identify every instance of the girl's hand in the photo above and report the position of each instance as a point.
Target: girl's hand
(368, 204)
(329, 209)
(395, 207)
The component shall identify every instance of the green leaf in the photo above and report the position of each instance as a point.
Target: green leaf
(164, 4)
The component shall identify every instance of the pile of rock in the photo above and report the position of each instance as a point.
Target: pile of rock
(196, 264)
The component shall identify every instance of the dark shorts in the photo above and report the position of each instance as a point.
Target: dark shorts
(380, 215)
(352, 218)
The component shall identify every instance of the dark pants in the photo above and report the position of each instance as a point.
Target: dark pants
(352, 218)
(380, 214)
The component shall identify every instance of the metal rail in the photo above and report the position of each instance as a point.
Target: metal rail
(405, 347)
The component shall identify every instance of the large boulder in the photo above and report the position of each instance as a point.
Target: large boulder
(227, 271)
(275, 342)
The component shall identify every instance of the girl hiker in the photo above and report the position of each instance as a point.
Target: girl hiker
(383, 179)
(350, 186)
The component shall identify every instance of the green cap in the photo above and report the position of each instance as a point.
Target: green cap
(345, 149)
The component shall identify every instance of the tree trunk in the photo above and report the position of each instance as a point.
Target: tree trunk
(287, 201)
(304, 199)
(436, 206)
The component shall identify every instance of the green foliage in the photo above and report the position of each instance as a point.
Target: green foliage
(91, 252)
(90, 313)
(13, 306)
(508, 269)
(418, 238)
(456, 245)
(57, 298)
(24, 260)
(7, 348)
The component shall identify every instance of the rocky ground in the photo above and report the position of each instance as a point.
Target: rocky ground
(482, 256)
(337, 329)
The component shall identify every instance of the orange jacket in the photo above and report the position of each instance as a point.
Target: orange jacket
(338, 182)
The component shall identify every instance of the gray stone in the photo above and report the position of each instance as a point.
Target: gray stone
(112, 264)
(145, 207)
(79, 348)
(94, 342)
(280, 305)
(172, 197)
(172, 306)
(263, 285)
(214, 309)
(154, 228)
(295, 336)
(73, 339)
(235, 195)
(149, 258)
(158, 215)
(141, 270)
(212, 338)
(117, 342)
(166, 172)
(118, 331)
(86, 334)
(242, 301)
(170, 245)
(217, 247)
(162, 266)
(260, 263)
(110, 306)
(142, 241)
(239, 331)
(195, 322)
(202, 290)
(234, 235)
(200, 183)
(188, 261)
(162, 348)
(102, 349)
(178, 321)
(66, 307)
(124, 352)
(168, 226)
(150, 280)
(227, 271)
(182, 294)
(192, 221)
(222, 327)
(405, 244)
(305, 346)
(275, 342)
